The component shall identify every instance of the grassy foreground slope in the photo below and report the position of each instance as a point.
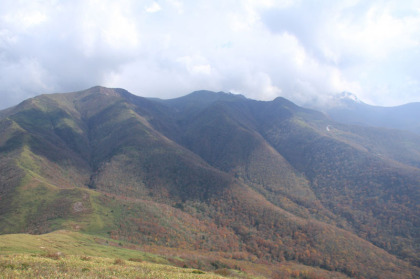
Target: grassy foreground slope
(66, 254)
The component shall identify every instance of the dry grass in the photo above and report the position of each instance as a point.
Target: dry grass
(36, 266)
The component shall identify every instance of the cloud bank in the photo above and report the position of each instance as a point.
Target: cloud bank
(305, 51)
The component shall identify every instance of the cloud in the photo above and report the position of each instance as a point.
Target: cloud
(153, 8)
(368, 44)
(302, 50)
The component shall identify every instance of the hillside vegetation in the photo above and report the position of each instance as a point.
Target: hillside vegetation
(245, 183)
(65, 254)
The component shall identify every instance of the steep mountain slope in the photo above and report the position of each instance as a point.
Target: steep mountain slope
(261, 181)
(347, 108)
(364, 180)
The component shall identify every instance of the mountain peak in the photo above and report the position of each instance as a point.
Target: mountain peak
(203, 98)
(103, 90)
(218, 95)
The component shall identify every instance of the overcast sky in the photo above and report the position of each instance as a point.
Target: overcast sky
(301, 50)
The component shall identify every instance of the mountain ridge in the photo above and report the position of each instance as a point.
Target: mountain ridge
(351, 110)
(242, 173)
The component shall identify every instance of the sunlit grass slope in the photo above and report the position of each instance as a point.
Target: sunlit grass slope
(30, 266)
(64, 254)
(67, 254)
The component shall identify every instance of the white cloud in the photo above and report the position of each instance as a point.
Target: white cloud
(297, 49)
(195, 65)
(153, 8)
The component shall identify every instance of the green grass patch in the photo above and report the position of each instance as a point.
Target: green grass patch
(70, 243)
(65, 254)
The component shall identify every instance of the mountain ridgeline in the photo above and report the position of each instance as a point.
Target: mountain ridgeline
(264, 182)
(347, 108)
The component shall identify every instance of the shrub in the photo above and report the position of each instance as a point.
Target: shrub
(119, 261)
(223, 272)
(53, 255)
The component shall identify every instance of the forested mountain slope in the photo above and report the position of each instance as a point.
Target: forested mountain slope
(257, 181)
